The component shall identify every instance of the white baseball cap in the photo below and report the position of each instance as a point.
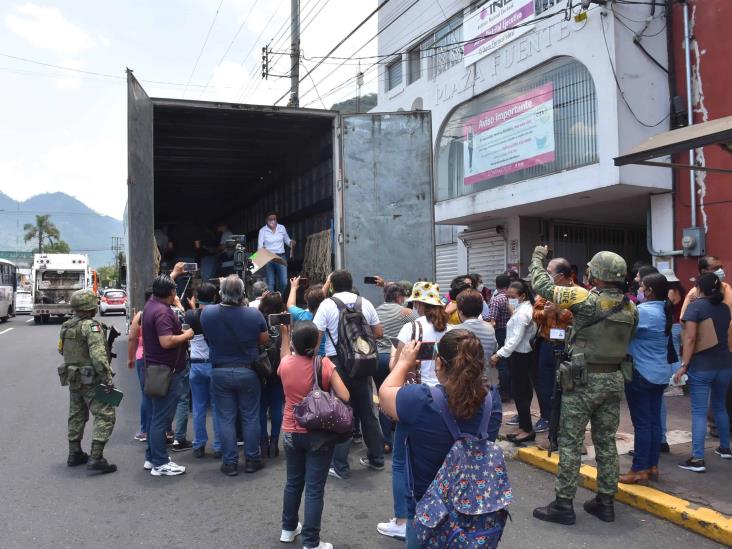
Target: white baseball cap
(670, 275)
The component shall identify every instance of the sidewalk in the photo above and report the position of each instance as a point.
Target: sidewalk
(699, 501)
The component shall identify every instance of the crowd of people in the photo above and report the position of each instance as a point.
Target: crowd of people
(253, 367)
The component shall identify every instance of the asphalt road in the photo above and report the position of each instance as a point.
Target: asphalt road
(47, 504)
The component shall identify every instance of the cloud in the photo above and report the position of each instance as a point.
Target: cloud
(47, 28)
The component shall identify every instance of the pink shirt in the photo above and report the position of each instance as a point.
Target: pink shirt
(139, 352)
(296, 373)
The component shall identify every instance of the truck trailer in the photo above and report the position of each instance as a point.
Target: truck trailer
(366, 177)
(55, 277)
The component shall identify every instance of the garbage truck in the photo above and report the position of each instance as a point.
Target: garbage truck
(362, 180)
(55, 278)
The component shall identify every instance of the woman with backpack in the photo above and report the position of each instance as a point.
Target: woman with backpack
(459, 363)
(308, 454)
(273, 397)
(429, 327)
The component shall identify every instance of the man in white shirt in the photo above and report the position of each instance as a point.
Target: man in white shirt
(273, 237)
(326, 319)
(259, 288)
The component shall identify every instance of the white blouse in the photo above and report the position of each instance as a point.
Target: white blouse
(519, 331)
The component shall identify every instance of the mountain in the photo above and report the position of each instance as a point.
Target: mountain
(85, 230)
(368, 102)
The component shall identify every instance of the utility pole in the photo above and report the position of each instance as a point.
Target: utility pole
(295, 54)
(117, 248)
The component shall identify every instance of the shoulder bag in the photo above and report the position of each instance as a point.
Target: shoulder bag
(321, 411)
(157, 377)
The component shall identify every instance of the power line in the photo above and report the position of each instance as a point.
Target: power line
(203, 46)
(228, 48)
(361, 24)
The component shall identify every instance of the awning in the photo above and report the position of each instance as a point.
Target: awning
(714, 132)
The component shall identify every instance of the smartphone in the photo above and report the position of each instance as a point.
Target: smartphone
(280, 319)
(426, 351)
(190, 267)
(369, 280)
(304, 282)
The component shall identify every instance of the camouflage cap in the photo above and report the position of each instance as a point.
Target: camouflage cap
(84, 300)
(608, 267)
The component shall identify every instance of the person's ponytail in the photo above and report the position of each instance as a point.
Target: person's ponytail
(464, 368)
(711, 287)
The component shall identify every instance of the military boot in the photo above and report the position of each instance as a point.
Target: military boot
(76, 455)
(560, 511)
(97, 463)
(602, 507)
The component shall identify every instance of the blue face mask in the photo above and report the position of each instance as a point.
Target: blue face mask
(513, 302)
(720, 274)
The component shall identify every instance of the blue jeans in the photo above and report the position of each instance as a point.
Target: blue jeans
(362, 402)
(181, 411)
(307, 470)
(237, 390)
(200, 382)
(676, 340)
(644, 402)
(412, 541)
(144, 401)
(275, 272)
(399, 472)
(386, 423)
(161, 414)
(504, 375)
(273, 398)
(702, 384)
(546, 378)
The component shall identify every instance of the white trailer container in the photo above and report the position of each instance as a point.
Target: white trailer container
(55, 278)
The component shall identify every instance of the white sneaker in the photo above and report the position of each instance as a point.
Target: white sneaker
(288, 536)
(392, 529)
(148, 465)
(323, 545)
(333, 473)
(170, 469)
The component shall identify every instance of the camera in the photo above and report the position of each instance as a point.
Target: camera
(237, 245)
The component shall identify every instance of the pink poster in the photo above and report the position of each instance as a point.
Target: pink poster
(510, 137)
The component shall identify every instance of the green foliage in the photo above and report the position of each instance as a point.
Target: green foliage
(368, 102)
(108, 275)
(43, 231)
(58, 247)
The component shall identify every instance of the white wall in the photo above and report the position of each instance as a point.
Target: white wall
(645, 87)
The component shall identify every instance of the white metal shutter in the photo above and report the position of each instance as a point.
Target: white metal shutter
(486, 255)
(446, 266)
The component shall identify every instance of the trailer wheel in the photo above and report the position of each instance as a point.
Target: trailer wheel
(45, 319)
(37, 319)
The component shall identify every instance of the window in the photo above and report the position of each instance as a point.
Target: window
(443, 48)
(415, 65)
(540, 123)
(393, 74)
(540, 6)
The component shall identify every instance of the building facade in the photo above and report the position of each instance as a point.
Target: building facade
(526, 123)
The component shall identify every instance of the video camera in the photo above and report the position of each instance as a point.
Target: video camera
(243, 266)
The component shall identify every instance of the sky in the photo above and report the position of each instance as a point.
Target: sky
(66, 131)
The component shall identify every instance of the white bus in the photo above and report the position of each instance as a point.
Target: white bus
(24, 292)
(8, 284)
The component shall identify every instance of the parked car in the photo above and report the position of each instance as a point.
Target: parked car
(113, 301)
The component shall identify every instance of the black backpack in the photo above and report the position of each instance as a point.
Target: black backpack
(356, 347)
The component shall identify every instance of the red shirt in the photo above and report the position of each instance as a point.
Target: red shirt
(296, 373)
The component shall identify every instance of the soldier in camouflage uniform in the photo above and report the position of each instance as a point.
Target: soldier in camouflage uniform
(604, 322)
(83, 344)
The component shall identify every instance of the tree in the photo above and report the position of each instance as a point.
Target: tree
(107, 275)
(58, 247)
(43, 230)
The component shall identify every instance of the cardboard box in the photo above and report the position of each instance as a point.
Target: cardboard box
(263, 256)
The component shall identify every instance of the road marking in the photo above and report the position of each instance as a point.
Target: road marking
(6, 331)
(29, 321)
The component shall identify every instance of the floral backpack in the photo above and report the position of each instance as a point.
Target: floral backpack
(466, 506)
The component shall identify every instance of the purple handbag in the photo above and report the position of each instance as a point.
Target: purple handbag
(321, 411)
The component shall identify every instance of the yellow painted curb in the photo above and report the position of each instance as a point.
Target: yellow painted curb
(702, 520)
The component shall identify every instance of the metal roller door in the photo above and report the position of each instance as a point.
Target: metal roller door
(486, 254)
(446, 265)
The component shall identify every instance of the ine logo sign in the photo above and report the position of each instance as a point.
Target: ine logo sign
(494, 25)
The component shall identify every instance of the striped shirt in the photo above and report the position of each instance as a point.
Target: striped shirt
(392, 317)
(499, 312)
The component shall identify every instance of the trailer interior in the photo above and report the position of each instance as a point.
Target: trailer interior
(223, 164)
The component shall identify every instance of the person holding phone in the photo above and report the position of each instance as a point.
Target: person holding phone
(428, 328)
(273, 237)
(314, 296)
(273, 396)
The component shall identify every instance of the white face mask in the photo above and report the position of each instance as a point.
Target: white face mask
(720, 274)
(513, 302)
(480, 287)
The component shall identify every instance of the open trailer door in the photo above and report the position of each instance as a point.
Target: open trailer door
(385, 209)
(139, 192)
